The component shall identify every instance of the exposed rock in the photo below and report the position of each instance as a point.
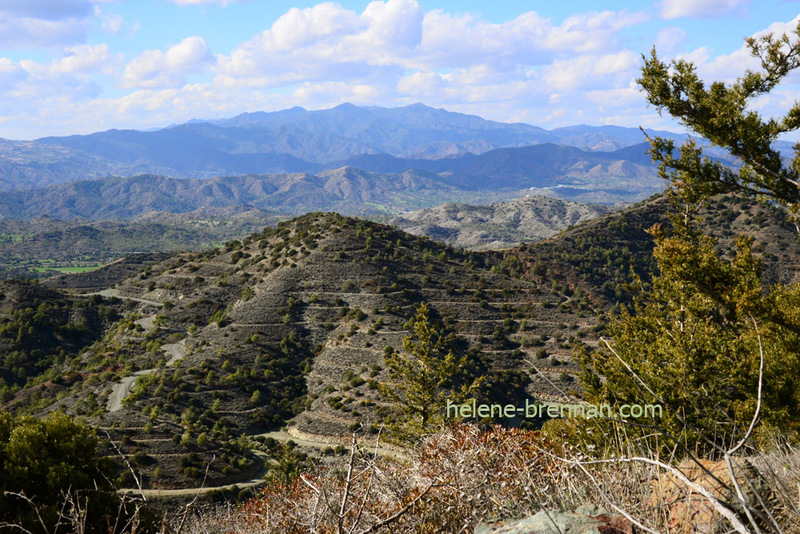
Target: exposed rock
(586, 519)
(498, 225)
(688, 511)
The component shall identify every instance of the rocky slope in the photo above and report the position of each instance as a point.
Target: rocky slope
(599, 256)
(293, 322)
(499, 225)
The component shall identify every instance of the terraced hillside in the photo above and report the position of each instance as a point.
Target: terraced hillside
(293, 322)
(41, 329)
(599, 255)
(44, 246)
(195, 353)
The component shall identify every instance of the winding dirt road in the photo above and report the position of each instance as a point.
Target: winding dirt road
(120, 390)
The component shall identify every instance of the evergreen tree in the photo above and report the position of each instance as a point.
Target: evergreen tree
(422, 377)
(719, 113)
(708, 339)
(694, 344)
(52, 460)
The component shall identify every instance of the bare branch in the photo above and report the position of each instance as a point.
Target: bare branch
(189, 506)
(619, 510)
(31, 504)
(401, 512)
(130, 467)
(348, 481)
(718, 506)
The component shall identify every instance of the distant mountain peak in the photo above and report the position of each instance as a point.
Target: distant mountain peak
(419, 105)
(297, 140)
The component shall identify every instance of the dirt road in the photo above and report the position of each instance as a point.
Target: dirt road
(120, 390)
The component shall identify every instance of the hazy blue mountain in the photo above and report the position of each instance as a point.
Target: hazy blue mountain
(345, 190)
(607, 138)
(27, 164)
(543, 165)
(390, 185)
(198, 149)
(415, 130)
(465, 149)
(251, 142)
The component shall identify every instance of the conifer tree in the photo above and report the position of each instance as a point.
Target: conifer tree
(720, 114)
(422, 377)
(708, 339)
(694, 344)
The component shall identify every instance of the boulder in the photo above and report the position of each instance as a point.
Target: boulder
(586, 519)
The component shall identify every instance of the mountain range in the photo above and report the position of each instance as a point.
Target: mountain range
(363, 161)
(290, 141)
(371, 184)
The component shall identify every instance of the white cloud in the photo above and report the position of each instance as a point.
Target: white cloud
(592, 71)
(86, 59)
(70, 77)
(330, 43)
(44, 23)
(47, 9)
(317, 27)
(392, 25)
(729, 67)
(669, 40)
(157, 69)
(10, 74)
(34, 33)
(588, 32)
(393, 52)
(671, 9)
(422, 85)
(112, 23)
(329, 94)
(325, 43)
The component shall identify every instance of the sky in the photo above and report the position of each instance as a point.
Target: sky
(80, 66)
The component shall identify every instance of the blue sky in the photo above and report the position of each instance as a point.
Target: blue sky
(78, 66)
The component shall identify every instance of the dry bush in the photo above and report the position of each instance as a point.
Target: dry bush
(459, 478)
(463, 476)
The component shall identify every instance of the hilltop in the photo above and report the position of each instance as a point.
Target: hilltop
(601, 255)
(293, 322)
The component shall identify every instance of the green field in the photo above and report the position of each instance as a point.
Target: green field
(12, 238)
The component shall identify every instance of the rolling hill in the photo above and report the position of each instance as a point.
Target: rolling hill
(291, 323)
